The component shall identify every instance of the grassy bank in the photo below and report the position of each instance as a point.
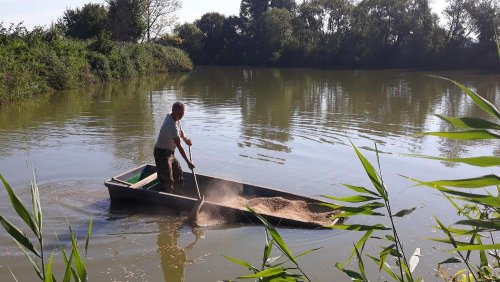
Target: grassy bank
(42, 60)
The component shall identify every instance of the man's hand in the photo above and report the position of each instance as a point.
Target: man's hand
(188, 141)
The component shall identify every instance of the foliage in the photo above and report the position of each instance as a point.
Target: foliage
(125, 20)
(347, 33)
(75, 265)
(482, 208)
(274, 268)
(43, 60)
(157, 15)
(87, 22)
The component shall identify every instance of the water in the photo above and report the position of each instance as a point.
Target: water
(288, 129)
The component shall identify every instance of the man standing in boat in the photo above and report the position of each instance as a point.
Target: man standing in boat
(168, 168)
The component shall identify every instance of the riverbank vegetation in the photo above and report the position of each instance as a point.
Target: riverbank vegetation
(93, 44)
(345, 33)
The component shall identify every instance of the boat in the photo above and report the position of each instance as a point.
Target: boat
(226, 201)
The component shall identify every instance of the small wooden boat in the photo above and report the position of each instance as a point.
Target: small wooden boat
(225, 200)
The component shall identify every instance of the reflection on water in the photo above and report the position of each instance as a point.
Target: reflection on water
(283, 128)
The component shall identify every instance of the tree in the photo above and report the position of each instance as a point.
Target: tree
(211, 26)
(125, 19)
(157, 15)
(86, 22)
(192, 40)
(276, 31)
(458, 22)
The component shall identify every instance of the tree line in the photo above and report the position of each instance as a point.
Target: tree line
(345, 33)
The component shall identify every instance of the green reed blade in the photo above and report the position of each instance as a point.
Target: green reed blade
(18, 235)
(242, 263)
(484, 104)
(360, 189)
(360, 245)
(79, 264)
(20, 208)
(359, 227)
(484, 161)
(465, 135)
(492, 224)
(352, 199)
(89, 232)
(470, 123)
(477, 247)
(48, 271)
(370, 171)
(355, 276)
(273, 271)
(386, 268)
(476, 182)
(33, 263)
(68, 273)
(276, 236)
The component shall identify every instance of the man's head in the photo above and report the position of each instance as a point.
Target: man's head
(178, 110)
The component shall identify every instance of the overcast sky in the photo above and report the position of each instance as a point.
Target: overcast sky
(43, 12)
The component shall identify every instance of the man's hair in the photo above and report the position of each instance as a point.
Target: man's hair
(178, 106)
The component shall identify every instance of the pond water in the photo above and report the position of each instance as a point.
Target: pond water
(288, 129)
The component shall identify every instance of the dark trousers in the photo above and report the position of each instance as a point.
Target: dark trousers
(168, 169)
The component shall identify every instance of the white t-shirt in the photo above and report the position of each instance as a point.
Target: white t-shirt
(168, 131)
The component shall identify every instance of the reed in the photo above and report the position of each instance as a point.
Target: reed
(34, 252)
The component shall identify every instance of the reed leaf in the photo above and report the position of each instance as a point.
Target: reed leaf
(360, 213)
(308, 252)
(390, 238)
(485, 161)
(498, 42)
(273, 271)
(361, 265)
(89, 232)
(484, 104)
(359, 227)
(474, 247)
(68, 273)
(468, 197)
(18, 235)
(355, 276)
(476, 182)
(276, 236)
(465, 135)
(359, 245)
(37, 208)
(370, 171)
(49, 277)
(13, 276)
(470, 123)
(383, 255)
(352, 199)
(404, 212)
(482, 255)
(370, 207)
(20, 208)
(386, 268)
(33, 263)
(361, 190)
(79, 264)
(242, 263)
(491, 224)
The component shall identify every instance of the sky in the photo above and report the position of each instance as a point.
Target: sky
(44, 12)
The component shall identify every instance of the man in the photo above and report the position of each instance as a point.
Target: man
(168, 168)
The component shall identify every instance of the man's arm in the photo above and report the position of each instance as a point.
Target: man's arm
(177, 142)
(184, 137)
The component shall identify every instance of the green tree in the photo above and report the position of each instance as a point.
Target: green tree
(192, 40)
(276, 31)
(125, 20)
(86, 22)
(211, 26)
